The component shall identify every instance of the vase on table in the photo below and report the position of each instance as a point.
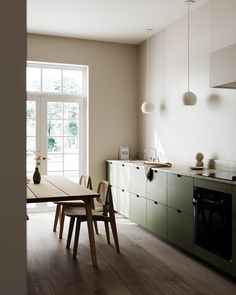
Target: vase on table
(36, 176)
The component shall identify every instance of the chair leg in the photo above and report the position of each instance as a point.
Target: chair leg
(114, 231)
(62, 219)
(77, 230)
(96, 226)
(107, 232)
(71, 226)
(57, 215)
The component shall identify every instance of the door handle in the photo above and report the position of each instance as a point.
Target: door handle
(179, 211)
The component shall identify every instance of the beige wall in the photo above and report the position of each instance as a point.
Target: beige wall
(113, 73)
(12, 147)
(209, 127)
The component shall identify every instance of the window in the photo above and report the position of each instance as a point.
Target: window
(56, 120)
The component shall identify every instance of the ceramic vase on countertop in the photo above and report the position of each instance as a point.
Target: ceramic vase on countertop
(36, 176)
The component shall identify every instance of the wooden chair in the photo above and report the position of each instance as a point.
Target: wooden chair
(85, 181)
(104, 212)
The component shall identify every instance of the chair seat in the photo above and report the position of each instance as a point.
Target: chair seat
(80, 212)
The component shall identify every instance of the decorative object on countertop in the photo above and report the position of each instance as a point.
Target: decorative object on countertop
(199, 158)
(189, 98)
(147, 106)
(149, 165)
(124, 153)
(36, 176)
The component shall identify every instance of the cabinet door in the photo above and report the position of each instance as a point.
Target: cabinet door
(138, 181)
(180, 192)
(115, 174)
(156, 188)
(234, 253)
(180, 228)
(138, 209)
(109, 172)
(116, 199)
(157, 218)
(124, 174)
(125, 203)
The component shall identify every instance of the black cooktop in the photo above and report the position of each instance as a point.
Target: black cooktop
(226, 175)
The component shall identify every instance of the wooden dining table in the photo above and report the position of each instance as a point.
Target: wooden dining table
(58, 188)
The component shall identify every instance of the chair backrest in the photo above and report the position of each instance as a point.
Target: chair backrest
(85, 181)
(103, 190)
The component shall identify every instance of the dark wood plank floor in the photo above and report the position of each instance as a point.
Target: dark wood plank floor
(146, 265)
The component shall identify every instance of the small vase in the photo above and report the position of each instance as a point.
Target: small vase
(36, 176)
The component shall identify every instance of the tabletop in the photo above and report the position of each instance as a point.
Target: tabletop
(57, 188)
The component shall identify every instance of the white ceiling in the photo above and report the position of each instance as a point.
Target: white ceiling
(122, 21)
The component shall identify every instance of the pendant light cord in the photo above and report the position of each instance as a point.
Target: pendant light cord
(148, 60)
(188, 44)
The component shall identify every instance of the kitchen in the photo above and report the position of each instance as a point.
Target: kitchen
(178, 132)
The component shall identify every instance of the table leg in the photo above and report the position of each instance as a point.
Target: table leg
(88, 208)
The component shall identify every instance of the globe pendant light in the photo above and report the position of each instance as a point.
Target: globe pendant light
(189, 98)
(147, 106)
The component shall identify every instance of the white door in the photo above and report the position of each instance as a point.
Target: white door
(55, 134)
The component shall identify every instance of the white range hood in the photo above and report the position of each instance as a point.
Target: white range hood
(223, 68)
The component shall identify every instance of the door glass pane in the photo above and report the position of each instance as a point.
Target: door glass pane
(33, 79)
(55, 110)
(71, 162)
(72, 81)
(51, 80)
(30, 136)
(55, 128)
(71, 145)
(55, 163)
(55, 144)
(70, 128)
(71, 111)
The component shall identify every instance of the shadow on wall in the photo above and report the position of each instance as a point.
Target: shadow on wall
(214, 100)
(163, 108)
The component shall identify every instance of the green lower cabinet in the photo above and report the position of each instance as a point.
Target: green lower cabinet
(180, 228)
(157, 218)
(138, 209)
(116, 199)
(124, 203)
(234, 253)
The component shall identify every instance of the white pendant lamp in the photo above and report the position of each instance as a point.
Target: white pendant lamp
(147, 106)
(189, 98)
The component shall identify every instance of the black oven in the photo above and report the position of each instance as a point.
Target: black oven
(213, 221)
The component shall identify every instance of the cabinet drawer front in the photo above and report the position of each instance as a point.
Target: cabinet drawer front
(138, 181)
(125, 203)
(124, 175)
(156, 188)
(116, 199)
(157, 218)
(180, 229)
(138, 209)
(180, 192)
(113, 173)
